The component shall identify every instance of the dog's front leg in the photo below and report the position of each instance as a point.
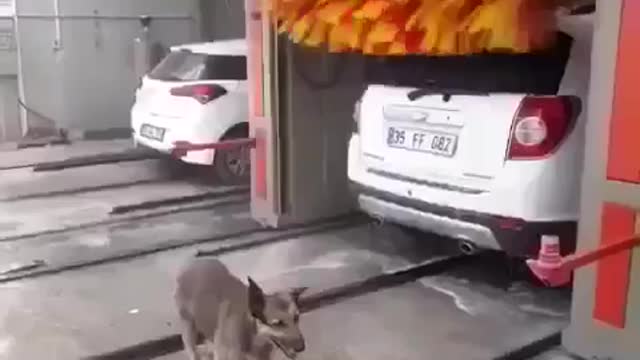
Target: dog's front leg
(226, 344)
(224, 347)
(227, 353)
(190, 339)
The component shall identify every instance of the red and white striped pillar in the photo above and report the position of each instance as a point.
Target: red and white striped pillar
(606, 301)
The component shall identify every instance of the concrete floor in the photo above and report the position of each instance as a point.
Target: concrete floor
(468, 313)
(106, 307)
(32, 203)
(556, 354)
(454, 316)
(13, 157)
(111, 240)
(460, 315)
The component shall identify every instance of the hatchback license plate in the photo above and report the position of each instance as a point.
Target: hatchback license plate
(152, 132)
(424, 141)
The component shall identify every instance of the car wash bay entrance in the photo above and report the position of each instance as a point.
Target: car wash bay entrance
(301, 127)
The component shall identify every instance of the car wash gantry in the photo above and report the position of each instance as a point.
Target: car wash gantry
(439, 28)
(430, 28)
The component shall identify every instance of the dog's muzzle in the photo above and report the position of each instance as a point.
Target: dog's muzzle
(290, 351)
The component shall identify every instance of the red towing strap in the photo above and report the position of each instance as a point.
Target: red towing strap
(181, 148)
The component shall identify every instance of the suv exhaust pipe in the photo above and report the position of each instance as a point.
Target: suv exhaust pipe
(378, 220)
(467, 247)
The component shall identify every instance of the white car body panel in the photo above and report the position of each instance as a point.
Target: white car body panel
(479, 178)
(184, 118)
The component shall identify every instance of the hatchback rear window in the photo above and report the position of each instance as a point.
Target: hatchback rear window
(188, 66)
(534, 73)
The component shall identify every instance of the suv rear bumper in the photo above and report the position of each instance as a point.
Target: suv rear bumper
(516, 237)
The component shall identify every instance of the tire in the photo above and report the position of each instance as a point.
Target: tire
(233, 167)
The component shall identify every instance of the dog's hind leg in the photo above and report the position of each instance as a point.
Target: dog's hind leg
(190, 338)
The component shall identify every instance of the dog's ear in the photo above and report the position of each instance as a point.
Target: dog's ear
(297, 292)
(256, 301)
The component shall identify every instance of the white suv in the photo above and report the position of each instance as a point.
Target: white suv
(197, 94)
(488, 151)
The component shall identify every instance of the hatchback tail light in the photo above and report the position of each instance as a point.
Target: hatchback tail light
(541, 125)
(202, 93)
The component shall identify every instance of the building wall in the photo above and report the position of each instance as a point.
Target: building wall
(222, 19)
(9, 120)
(87, 81)
(10, 129)
(8, 58)
(317, 94)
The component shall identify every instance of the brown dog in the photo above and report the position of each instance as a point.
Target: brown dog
(239, 322)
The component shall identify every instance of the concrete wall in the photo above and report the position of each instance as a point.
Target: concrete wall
(88, 82)
(10, 129)
(222, 19)
(8, 56)
(317, 95)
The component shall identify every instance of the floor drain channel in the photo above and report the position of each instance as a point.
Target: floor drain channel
(148, 205)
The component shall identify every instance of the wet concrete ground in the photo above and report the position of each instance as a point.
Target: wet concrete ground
(12, 157)
(453, 316)
(101, 242)
(460, 315)
(105, 307)
(472, 312)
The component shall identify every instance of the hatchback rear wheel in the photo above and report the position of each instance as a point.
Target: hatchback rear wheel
(233, 166)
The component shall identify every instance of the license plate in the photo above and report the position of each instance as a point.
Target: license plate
(152, 132)
(420, 140)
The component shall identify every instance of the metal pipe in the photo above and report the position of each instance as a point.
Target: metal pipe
(24, 122)
(181, 148)
(575, 261)
(378, 220)
(102, 17)
(57, 42)
(467, 247)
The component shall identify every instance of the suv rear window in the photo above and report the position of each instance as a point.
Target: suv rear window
(188, 66)
(534, 73)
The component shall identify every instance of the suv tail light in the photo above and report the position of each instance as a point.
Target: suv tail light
(202, 93)
(541, 125)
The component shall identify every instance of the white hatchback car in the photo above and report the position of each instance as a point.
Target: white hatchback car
(487, 151)
(197, 94)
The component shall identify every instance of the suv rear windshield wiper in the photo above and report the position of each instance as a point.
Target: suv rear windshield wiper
(446, 93)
